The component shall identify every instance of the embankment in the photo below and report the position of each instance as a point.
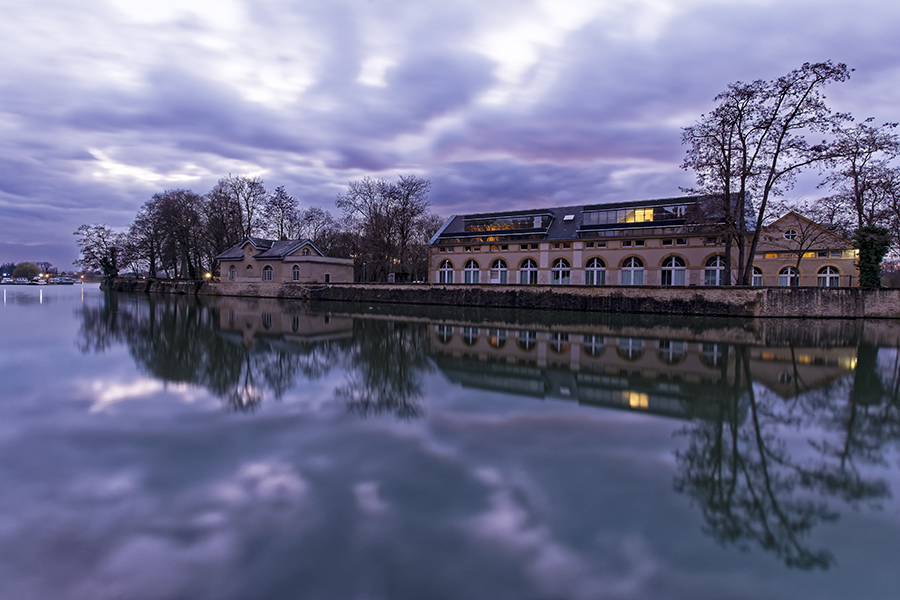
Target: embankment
(718, 301)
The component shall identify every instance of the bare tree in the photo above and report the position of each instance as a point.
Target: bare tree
(754, 144)
(281, 212)
(100, 249)
(250, 195)
(862, 174)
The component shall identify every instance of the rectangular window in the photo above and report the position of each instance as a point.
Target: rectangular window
(710, 241)
(681, 241)
(534, 246)
(442, 249)
(495, 248)
(450, 249)
(626, 243)
(601, 244)
(835, 254)
(327, 277)
(809, 255)
(467, 249)
(556, 246)
(822, 253)
(667, 242)
(504, 247)
(638, 242)
(771, 256)
(589, 244)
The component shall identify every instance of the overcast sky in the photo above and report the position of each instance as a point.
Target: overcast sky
(503, 104)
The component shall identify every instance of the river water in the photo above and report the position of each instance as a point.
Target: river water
(175, 447)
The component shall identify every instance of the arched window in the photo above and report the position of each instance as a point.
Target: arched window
(267, 273)
(673, 271)
(305, 252)
(470, 335)
(249, 267)
(444, 333)
(445, 272)
(788, 276)
(498, 338)
(499, 271)
(713, 355)
(630, 348)
(595, 272)
(632, 271)
(232, 272)
(559, 342)
(671, 352)
(757, 277)
(472, 274)
(528, 272)
(560, 272)
(295, 273)
(267, 320)
(828, 277)
(593, 344)
(527, 340)
(715, 271)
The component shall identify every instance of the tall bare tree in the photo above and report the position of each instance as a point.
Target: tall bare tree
(282, 215)
(754, 144)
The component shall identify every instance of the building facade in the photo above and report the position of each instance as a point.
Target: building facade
(652, 242)
(284, 261)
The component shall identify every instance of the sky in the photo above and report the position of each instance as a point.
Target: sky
(506, 104)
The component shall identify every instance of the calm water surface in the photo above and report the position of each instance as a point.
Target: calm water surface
(157, 447)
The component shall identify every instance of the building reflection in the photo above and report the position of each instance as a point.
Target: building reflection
(249, 321)
(682, 378)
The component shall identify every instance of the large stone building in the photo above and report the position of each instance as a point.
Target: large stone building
(283, 261)
(651, 242)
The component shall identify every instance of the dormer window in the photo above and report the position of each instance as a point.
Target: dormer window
(305, 252)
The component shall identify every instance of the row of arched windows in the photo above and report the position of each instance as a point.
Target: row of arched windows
(669, 351)
(674, 272)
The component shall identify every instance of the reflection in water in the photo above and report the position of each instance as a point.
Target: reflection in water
(743, 390)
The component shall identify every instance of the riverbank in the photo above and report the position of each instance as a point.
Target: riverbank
(713, 301)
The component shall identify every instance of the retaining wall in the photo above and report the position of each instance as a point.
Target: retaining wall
(718, 301)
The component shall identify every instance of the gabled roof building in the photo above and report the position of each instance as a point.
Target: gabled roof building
(282, 261)
(670, 241)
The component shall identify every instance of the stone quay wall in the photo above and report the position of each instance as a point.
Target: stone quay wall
(812, 302)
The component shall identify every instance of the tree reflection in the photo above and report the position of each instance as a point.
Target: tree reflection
(384, 369)
(754, 490)
(180, 340)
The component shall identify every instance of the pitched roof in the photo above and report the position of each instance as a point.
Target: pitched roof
(271, 249)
